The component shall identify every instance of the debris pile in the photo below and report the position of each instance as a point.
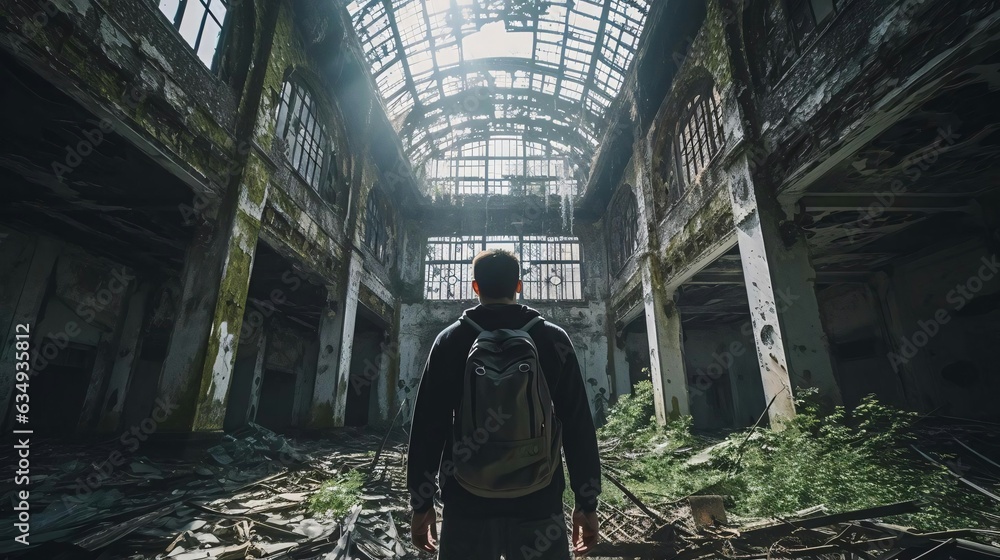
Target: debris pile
(246, 497)
(253, 495)
(810, 534)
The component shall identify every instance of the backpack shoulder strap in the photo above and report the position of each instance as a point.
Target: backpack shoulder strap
(532, 323)
(465, 319)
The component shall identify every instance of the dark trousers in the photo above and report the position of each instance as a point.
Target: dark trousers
(463, 538)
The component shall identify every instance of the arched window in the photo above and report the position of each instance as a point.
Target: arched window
(699, 136)
(308, 147)
(624, 229)
(200, 23)
(377, 225)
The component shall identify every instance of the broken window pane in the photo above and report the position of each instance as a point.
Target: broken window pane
(624, 229)
(200, 23)
(699, 136)
(377, 227)
(550, 266)
(307, 143)
(537, 62)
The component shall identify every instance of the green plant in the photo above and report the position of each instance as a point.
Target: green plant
(843, 460)
(631, 419)
(339, 495)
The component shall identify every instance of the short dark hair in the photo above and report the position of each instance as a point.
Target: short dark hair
(497, 272)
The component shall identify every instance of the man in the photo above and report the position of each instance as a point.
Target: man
(474, 527)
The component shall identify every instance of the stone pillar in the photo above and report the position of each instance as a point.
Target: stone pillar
(331, 328)
(129, 345)
(347, 340)
(202, 350)
(26, 275)
(792, 348)
(666, 348)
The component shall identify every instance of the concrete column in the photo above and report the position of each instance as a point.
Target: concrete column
(347, 340)
(198, 367)
(666, 348)
(129, 345)
(28, 277)
(792, 348)
(331, 329)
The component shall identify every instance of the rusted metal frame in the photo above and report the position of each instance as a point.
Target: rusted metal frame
(562, 54)
(432, 48)
(588, 85)
(390, 14)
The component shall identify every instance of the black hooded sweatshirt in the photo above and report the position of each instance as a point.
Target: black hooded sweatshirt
(439, 396)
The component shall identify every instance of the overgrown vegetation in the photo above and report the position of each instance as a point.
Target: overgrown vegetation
(844, 460)
(337, 496)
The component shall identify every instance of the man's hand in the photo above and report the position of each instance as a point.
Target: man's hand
(423, 530)
(586, 532)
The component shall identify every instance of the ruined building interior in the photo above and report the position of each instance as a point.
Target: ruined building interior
(230, 216)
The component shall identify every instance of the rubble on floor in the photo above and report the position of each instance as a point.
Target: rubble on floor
(249, 497)
(246, 497)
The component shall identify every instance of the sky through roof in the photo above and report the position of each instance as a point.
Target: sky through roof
(455, 73)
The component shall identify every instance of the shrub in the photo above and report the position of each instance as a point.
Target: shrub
(339, 495)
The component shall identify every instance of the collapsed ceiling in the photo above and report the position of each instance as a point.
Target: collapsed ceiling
(457, 75)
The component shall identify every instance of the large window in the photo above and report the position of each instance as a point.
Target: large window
(377, 225)
(200, 23)
(308, 147)
(550, 266)
(624, 229)
(499, 166)
(699, 136)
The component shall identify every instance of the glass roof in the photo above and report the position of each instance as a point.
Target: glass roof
(453, 72)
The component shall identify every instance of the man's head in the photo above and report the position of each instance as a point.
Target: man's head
(497, 274)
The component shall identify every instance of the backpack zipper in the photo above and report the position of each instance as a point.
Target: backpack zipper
(531, 406)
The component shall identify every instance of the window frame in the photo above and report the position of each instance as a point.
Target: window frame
(324, 166)
(623, 230)
(177, 19)
(460, 266)
(688, 173)
(378, 225)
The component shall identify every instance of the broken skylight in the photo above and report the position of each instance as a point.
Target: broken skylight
(457, 74)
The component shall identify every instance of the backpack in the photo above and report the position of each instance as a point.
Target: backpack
(506, 438)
